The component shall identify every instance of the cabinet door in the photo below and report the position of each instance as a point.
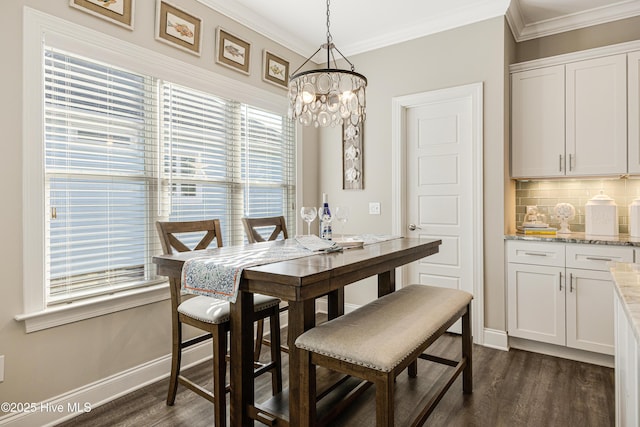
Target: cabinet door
(627, 369)
(536, 303)
(596, 114)
(537, 123)
(633, 117)
(590, 310)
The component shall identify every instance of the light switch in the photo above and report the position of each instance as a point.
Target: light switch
(374, 208)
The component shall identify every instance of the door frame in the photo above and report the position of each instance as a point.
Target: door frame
(399, 108)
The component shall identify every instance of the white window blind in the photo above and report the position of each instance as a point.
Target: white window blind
(223, 159)
(123, 150)
(98, 163)
(268, 167)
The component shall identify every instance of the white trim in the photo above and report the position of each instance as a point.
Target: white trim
(93, 307)
(494, 338)
(469, 14)
(106, 389)
(574, 21)
(399, 105)
(613, 49)
(562, 351)
(37, 28)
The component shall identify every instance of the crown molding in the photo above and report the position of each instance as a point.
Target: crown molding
(481, 10)
(250, 19)
(600, 15)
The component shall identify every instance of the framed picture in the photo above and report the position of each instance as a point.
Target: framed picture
(178, 28)
(275, 69)
(352, 156)
(232, 51)
(117, 11)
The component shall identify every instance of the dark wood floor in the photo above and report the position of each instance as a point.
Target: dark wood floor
(515, 388)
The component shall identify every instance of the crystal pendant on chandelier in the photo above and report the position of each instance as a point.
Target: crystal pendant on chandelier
(328, 96)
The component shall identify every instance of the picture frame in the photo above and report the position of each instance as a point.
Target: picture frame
(275, 70)
(178, 28)
(232, 51)
(352, 156)
(120, 12)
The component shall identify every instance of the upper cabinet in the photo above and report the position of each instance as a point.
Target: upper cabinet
(537, 122)
(570, 119)
(633, 116)
(596, 114)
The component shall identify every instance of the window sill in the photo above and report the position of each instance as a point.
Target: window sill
(99, 306)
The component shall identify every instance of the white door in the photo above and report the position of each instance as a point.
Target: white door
(440, 189)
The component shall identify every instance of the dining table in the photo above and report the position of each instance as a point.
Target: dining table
(299, 282)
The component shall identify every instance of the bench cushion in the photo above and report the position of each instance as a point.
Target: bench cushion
(382, 333)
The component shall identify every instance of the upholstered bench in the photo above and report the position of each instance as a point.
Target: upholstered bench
(379, 340)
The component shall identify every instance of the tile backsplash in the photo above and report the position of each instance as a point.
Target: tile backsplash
(546, 194)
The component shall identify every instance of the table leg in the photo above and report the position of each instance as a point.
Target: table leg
(335, 301)
(301, 318)
(242, 393)
(386, 282)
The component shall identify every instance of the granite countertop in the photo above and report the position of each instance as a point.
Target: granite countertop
(627, 279)
(620, 240)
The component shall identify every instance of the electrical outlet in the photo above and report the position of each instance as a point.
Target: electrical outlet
(2, 368)
(374, 208)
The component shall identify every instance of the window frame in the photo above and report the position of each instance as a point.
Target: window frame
(39, 26)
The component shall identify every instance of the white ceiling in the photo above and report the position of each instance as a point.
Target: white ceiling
(361, 25)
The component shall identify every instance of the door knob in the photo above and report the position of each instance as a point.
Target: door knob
(414, 227)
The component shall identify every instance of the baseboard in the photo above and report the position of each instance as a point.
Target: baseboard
(563, 352)
(323, 307)
(75, 402)
(494, 338)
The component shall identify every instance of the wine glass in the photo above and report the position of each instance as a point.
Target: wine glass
(308, 214)
(342, 216)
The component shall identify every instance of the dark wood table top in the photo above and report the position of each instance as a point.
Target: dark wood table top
(315, 275)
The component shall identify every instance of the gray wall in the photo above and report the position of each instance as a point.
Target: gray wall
(474, 53)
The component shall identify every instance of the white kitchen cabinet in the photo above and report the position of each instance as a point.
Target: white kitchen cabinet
(633, 112)
(536, 303)
(561, 293)
(589, 310)
(570, 119)
(596, 116)
(627, 369)
(537, 122)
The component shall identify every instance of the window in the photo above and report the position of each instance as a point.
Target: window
(120, 149)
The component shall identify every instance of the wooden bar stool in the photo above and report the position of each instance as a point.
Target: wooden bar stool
(212, 316)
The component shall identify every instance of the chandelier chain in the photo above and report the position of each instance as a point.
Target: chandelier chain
(329, 37)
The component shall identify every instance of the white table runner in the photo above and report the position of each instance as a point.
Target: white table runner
(218, 275)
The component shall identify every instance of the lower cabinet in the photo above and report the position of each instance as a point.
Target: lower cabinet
(627, 369)
(562, 293)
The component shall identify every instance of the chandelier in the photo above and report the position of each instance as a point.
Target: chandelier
(327, 96)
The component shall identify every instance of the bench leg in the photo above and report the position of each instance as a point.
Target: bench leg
(413, 369)
(308, 392)
(467, 342)
(385, 401)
